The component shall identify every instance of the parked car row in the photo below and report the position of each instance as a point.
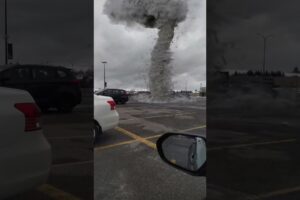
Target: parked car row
(26, 154)
(51, 87)
(120, 96)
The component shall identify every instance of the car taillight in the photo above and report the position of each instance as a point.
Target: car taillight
(112, 104)
(32, 115)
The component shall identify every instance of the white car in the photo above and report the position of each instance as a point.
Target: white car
(25, 156)
(105, 114)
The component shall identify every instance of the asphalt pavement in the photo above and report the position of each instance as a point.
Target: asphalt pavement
(253, 156)
(127, 165)
(248, 157)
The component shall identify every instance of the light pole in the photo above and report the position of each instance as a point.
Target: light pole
(265, 38)
(104, 83)
(5, 31)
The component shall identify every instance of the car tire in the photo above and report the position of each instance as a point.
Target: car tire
(97, 131)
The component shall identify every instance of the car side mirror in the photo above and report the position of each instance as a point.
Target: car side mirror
(185, 152)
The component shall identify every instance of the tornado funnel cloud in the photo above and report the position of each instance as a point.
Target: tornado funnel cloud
(160, 80)
(163, 15)
(150, 21)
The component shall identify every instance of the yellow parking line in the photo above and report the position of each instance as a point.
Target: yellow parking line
(252, 144)
(123, 143)
(56, 193)
(136, 137)
(191, 129)
(277, 193)
(152, 137)
(146, 138)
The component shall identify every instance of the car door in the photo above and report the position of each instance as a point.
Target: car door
(107, 92)
(117, 95)
(44, 87)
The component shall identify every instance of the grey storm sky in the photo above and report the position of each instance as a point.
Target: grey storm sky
(127, 50)
(49, 31)
(239, 23)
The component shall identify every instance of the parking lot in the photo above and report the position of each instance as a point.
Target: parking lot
(248, 157)
(253, 157)
(70, 136)
(127, 165)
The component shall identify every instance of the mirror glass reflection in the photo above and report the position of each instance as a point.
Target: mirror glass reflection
(184, 151)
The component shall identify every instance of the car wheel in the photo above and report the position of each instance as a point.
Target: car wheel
(97, 131)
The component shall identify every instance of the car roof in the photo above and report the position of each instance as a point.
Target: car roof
(114, 89)
(4, 67)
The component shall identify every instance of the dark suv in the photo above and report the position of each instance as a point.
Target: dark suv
(119, 96)
(50, 86)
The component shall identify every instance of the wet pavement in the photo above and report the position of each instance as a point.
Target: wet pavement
(127, 165)
(253, 157)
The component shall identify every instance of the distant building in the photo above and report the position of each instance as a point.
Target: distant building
(202, 91)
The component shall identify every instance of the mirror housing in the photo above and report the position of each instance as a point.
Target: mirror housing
(186, 152)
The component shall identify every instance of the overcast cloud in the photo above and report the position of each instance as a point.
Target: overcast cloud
(240, 21)
(127, 50)
(49, 31)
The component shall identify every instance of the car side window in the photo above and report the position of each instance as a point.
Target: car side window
(43, 74)
(61, 74)
(109, 92)
(20, 74)
(6, 75)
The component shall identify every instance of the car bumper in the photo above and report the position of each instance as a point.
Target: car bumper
(24, 165)
(110, 122)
